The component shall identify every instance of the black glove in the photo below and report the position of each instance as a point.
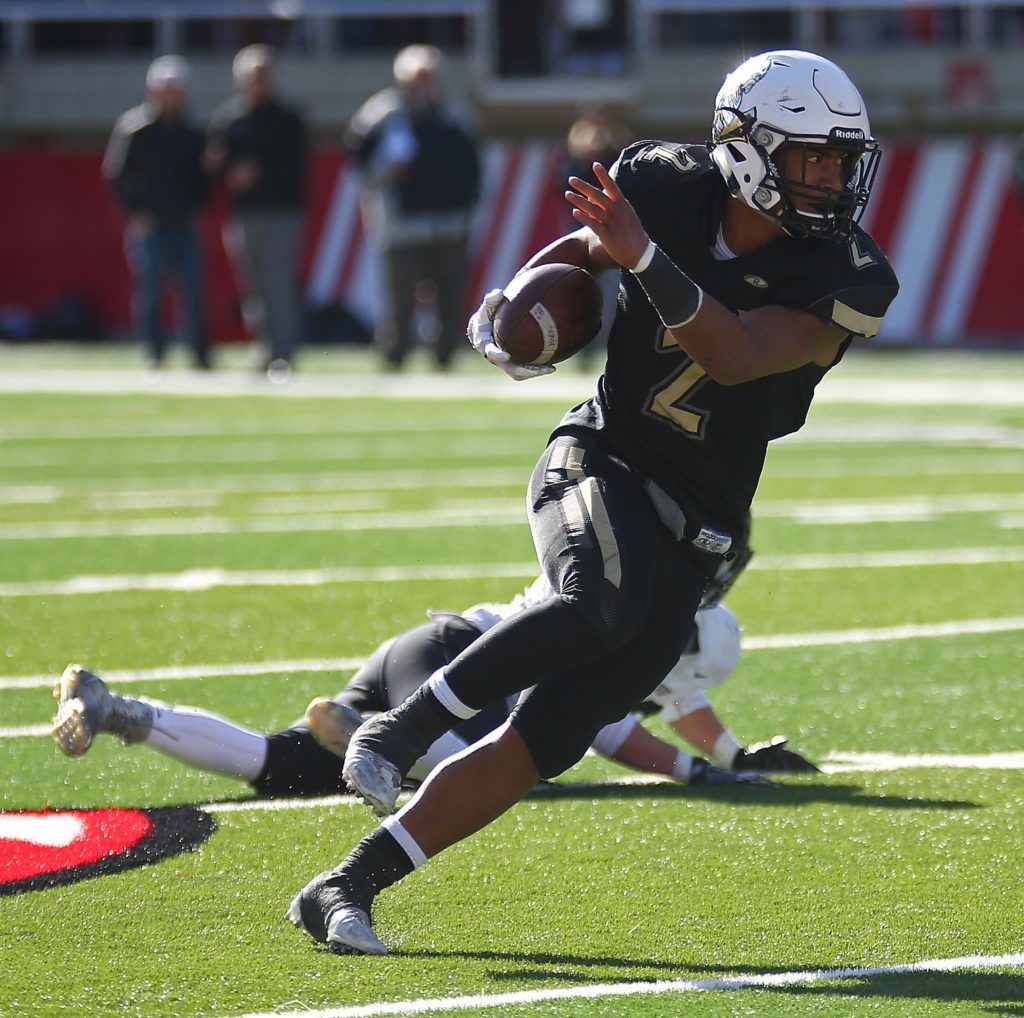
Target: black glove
(771, 756)
(704, 773)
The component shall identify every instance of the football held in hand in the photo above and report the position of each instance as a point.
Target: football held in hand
(548, 313)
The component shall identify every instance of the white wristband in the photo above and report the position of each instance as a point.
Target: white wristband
(645, 258)
(726, 748)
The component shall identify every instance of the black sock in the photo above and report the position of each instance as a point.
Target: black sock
(378, 861)
(405, 733)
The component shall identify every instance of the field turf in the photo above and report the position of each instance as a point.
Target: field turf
(240, 547)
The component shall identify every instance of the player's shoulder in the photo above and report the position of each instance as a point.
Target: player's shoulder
(375, 110)
(652, 163)
(855, 277)
(134, 120)
(228, 112)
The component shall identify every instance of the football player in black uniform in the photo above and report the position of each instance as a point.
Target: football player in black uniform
(744, 278)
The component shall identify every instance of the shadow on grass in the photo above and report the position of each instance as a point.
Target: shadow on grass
(994, 989)
(776, 794)
(991, 988)
(760, 795)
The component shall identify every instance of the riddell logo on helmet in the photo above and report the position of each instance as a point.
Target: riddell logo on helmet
(48, 848)
(847, 133)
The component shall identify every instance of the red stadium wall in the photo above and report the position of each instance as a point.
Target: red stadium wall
(945, 212)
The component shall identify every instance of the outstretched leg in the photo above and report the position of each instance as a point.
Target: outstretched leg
(194, 736)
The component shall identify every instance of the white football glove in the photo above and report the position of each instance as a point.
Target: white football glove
(481, 336)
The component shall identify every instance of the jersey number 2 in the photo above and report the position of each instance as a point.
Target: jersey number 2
(669, 400)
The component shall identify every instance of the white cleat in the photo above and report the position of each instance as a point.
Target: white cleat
(349, 932)
(84, 705)
(375, 780)
(332, 724)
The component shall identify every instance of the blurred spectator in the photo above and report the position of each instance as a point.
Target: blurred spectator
(258, 145)
(597, 135)
(420, 161)
(154, 164)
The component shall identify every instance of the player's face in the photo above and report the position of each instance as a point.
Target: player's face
(170, 98)
(257, 85)
(811, 170)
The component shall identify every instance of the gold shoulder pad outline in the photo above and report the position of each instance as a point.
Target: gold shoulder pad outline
(851, 320)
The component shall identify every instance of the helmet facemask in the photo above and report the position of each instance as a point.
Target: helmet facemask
(813, 210)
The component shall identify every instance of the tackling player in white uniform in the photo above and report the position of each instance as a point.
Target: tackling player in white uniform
(307, 757)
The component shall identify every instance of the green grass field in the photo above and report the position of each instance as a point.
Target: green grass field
(884, 625)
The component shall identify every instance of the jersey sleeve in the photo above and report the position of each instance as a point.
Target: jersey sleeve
(857, 311)
(851, 290)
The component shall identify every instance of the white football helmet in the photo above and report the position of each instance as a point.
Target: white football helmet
(789, 97)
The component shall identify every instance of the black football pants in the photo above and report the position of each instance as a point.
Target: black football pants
(627, 596)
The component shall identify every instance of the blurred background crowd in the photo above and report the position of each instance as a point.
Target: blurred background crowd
(298, 172)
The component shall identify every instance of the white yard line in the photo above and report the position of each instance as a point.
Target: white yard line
(321, 512)
(483, 514)
(848, 386)
(237, 451)
(192, 580)
(24, 731)
(842, 763)
(176, 491)
(888, 559)
(839, 637)
(110, 491)
(504, 444)
(159, 427)
(563, 388)
(180, 673)
(778, 641)
(768, 981)
(918, 433)
(873, 510)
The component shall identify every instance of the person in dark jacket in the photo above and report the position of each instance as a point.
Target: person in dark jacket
(154, 164)
(420, 161)
(258, 145)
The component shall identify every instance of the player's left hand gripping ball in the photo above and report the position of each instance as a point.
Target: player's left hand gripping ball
(480, 332)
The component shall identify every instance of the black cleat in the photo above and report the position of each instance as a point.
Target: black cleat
(324, 910)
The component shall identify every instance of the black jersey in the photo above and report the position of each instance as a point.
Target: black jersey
(705, 443)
